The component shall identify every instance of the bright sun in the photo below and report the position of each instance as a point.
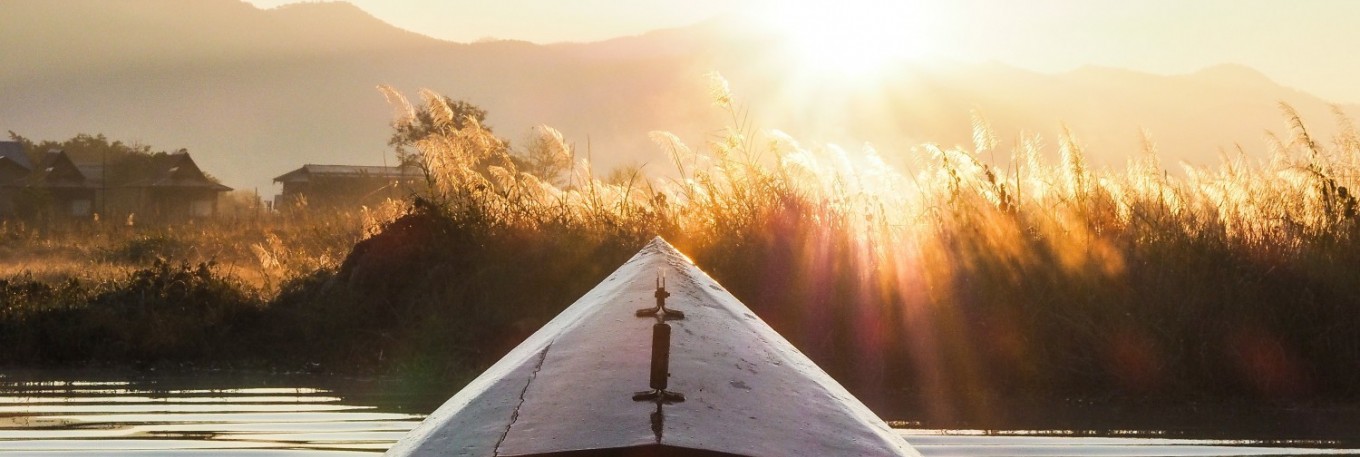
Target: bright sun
(850, 37)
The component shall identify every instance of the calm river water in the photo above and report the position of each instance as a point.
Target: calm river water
(66, 414)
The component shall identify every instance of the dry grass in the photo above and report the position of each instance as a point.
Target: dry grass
(958, 276)
(935, 276)
(1298, 196)
(261, 252)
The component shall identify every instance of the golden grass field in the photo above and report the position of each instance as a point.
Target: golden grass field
(946, 276)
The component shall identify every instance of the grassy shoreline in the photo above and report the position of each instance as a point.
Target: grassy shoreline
(950, 287)
(384, 311)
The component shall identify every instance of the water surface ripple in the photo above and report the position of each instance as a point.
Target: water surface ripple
(204, 415)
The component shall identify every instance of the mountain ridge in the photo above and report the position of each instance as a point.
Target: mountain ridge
(255, 92)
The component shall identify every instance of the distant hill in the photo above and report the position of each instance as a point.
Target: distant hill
(254, 93)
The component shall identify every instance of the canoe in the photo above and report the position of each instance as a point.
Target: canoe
(617, 375)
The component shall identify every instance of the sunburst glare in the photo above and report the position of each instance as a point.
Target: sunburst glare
(855, 38)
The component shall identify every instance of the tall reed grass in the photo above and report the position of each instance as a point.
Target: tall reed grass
(940, 276)
(934, 279)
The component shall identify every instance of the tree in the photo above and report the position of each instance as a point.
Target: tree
(424, 123)
(547, 156)
(86, 148)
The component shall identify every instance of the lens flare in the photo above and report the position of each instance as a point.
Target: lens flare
(851, 38)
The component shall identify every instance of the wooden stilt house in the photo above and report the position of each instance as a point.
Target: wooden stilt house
(176, 190)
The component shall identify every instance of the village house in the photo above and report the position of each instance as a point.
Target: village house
(344, 185)
(55, 189)
(176, 190)
(166, 187)
(14, 165)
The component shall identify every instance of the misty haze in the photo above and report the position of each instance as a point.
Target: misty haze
(923, 227)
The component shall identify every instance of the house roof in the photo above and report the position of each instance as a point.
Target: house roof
(308, 171)
(93, 173)
(14, 163)
(178, 170)
(13, 152)
(56, 171)
(570, 386)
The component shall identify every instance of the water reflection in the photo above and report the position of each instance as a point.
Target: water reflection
(942, 443)
(234, 415)
(188, 415)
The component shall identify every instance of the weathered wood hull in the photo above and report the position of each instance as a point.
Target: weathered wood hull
(569, 390)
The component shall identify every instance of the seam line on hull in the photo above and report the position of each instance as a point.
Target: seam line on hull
(514, 415)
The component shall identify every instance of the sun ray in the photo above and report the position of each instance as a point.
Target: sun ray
(851, 38)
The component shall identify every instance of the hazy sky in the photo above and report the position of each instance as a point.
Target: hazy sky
(1307, 44)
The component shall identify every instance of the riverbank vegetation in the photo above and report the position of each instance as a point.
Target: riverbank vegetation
(934, 279)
